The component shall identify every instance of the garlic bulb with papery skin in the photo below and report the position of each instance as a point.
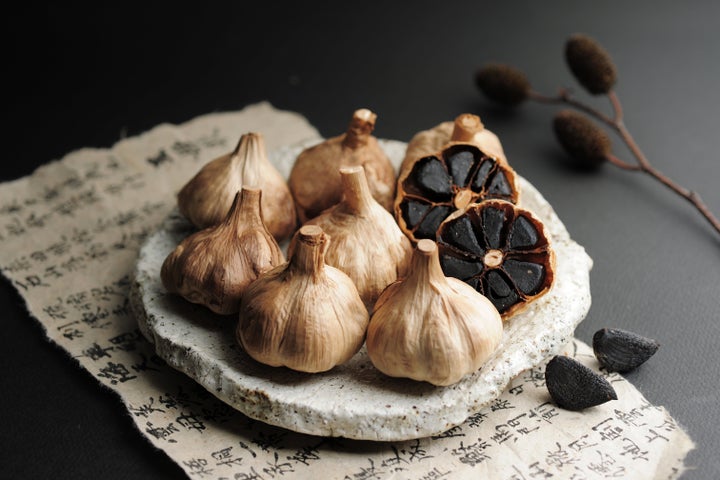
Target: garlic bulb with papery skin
(206, 198)
(304, 314)
(314, 179)
(366, 244)
(430, 327)
(466, 128)
(214, 266)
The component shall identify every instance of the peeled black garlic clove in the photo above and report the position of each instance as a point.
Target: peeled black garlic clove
(621, 351)
(573, 386)
(314, 179)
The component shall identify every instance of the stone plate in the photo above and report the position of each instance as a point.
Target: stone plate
(353, 400)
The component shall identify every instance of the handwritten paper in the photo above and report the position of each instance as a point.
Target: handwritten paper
(70, 235)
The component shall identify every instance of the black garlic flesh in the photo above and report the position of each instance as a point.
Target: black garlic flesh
(573, 386)
(622, 351)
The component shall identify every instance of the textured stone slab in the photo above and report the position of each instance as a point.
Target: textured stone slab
(353, 400)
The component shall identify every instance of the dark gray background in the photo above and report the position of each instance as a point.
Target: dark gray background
(88, 77)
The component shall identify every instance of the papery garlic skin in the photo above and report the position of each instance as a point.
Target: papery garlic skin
(214, 266)
(367, 243)
(465, 128)
(304, 315)
(206, 198)
(314, 179)
(432, 328)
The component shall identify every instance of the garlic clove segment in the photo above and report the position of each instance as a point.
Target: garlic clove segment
(467, 128)
(314, 179)
(366, 244)
(304, 314)
(432, 328)
(214, 266)
(206, 198)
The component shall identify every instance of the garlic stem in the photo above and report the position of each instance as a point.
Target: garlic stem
(360, 128)
(247, 212)
(358, 198)
(465, 128)
(309, 255)
(247, 157)
(425, 267)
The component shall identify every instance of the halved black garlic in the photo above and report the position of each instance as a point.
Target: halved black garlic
(573, 386)
(500, 250)
(621, 351)
(438, 185)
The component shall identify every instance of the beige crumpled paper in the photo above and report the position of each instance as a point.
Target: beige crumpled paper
(70, 234)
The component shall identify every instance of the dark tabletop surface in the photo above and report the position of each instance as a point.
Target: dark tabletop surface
(76, 78)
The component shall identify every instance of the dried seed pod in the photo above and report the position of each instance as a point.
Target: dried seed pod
(622, 351)
(438, 185)
(581, 138)
(304, 314)
(590, 64)
(573, 386)
(466, 128)
(213, 267)
(366, 242)
(501, 250)
(503, 84)
(432, 328)
(206, 198)
(315, 181)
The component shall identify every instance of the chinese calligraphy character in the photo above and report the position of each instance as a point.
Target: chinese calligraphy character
(225, 457)
(145, 409)
(631, 448)
(608, 431)
(116, 372)
(472, 454)
(190, 421)
(162, 433)
(96, 352)
(559, 458)
(198, 466)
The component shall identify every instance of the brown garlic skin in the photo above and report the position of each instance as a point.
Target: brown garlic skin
(366, 244)
(206, 198)
(304, 314)
(466, 128)
(315, 181)
(213, 267)
(432, 328)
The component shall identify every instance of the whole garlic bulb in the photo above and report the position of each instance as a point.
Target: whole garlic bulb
(206, 198)
(430, 327)
(366, 244)
(466, 128)
(314, 179)
(304, 314)
(213, 267)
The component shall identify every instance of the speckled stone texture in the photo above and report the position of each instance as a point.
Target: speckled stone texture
(353, 400)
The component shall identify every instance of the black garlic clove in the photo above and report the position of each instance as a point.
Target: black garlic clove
(573, 386)
(621, 351)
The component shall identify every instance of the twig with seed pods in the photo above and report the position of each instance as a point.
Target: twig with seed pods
(582, 138)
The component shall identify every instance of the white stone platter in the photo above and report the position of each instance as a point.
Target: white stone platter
(353, 400)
